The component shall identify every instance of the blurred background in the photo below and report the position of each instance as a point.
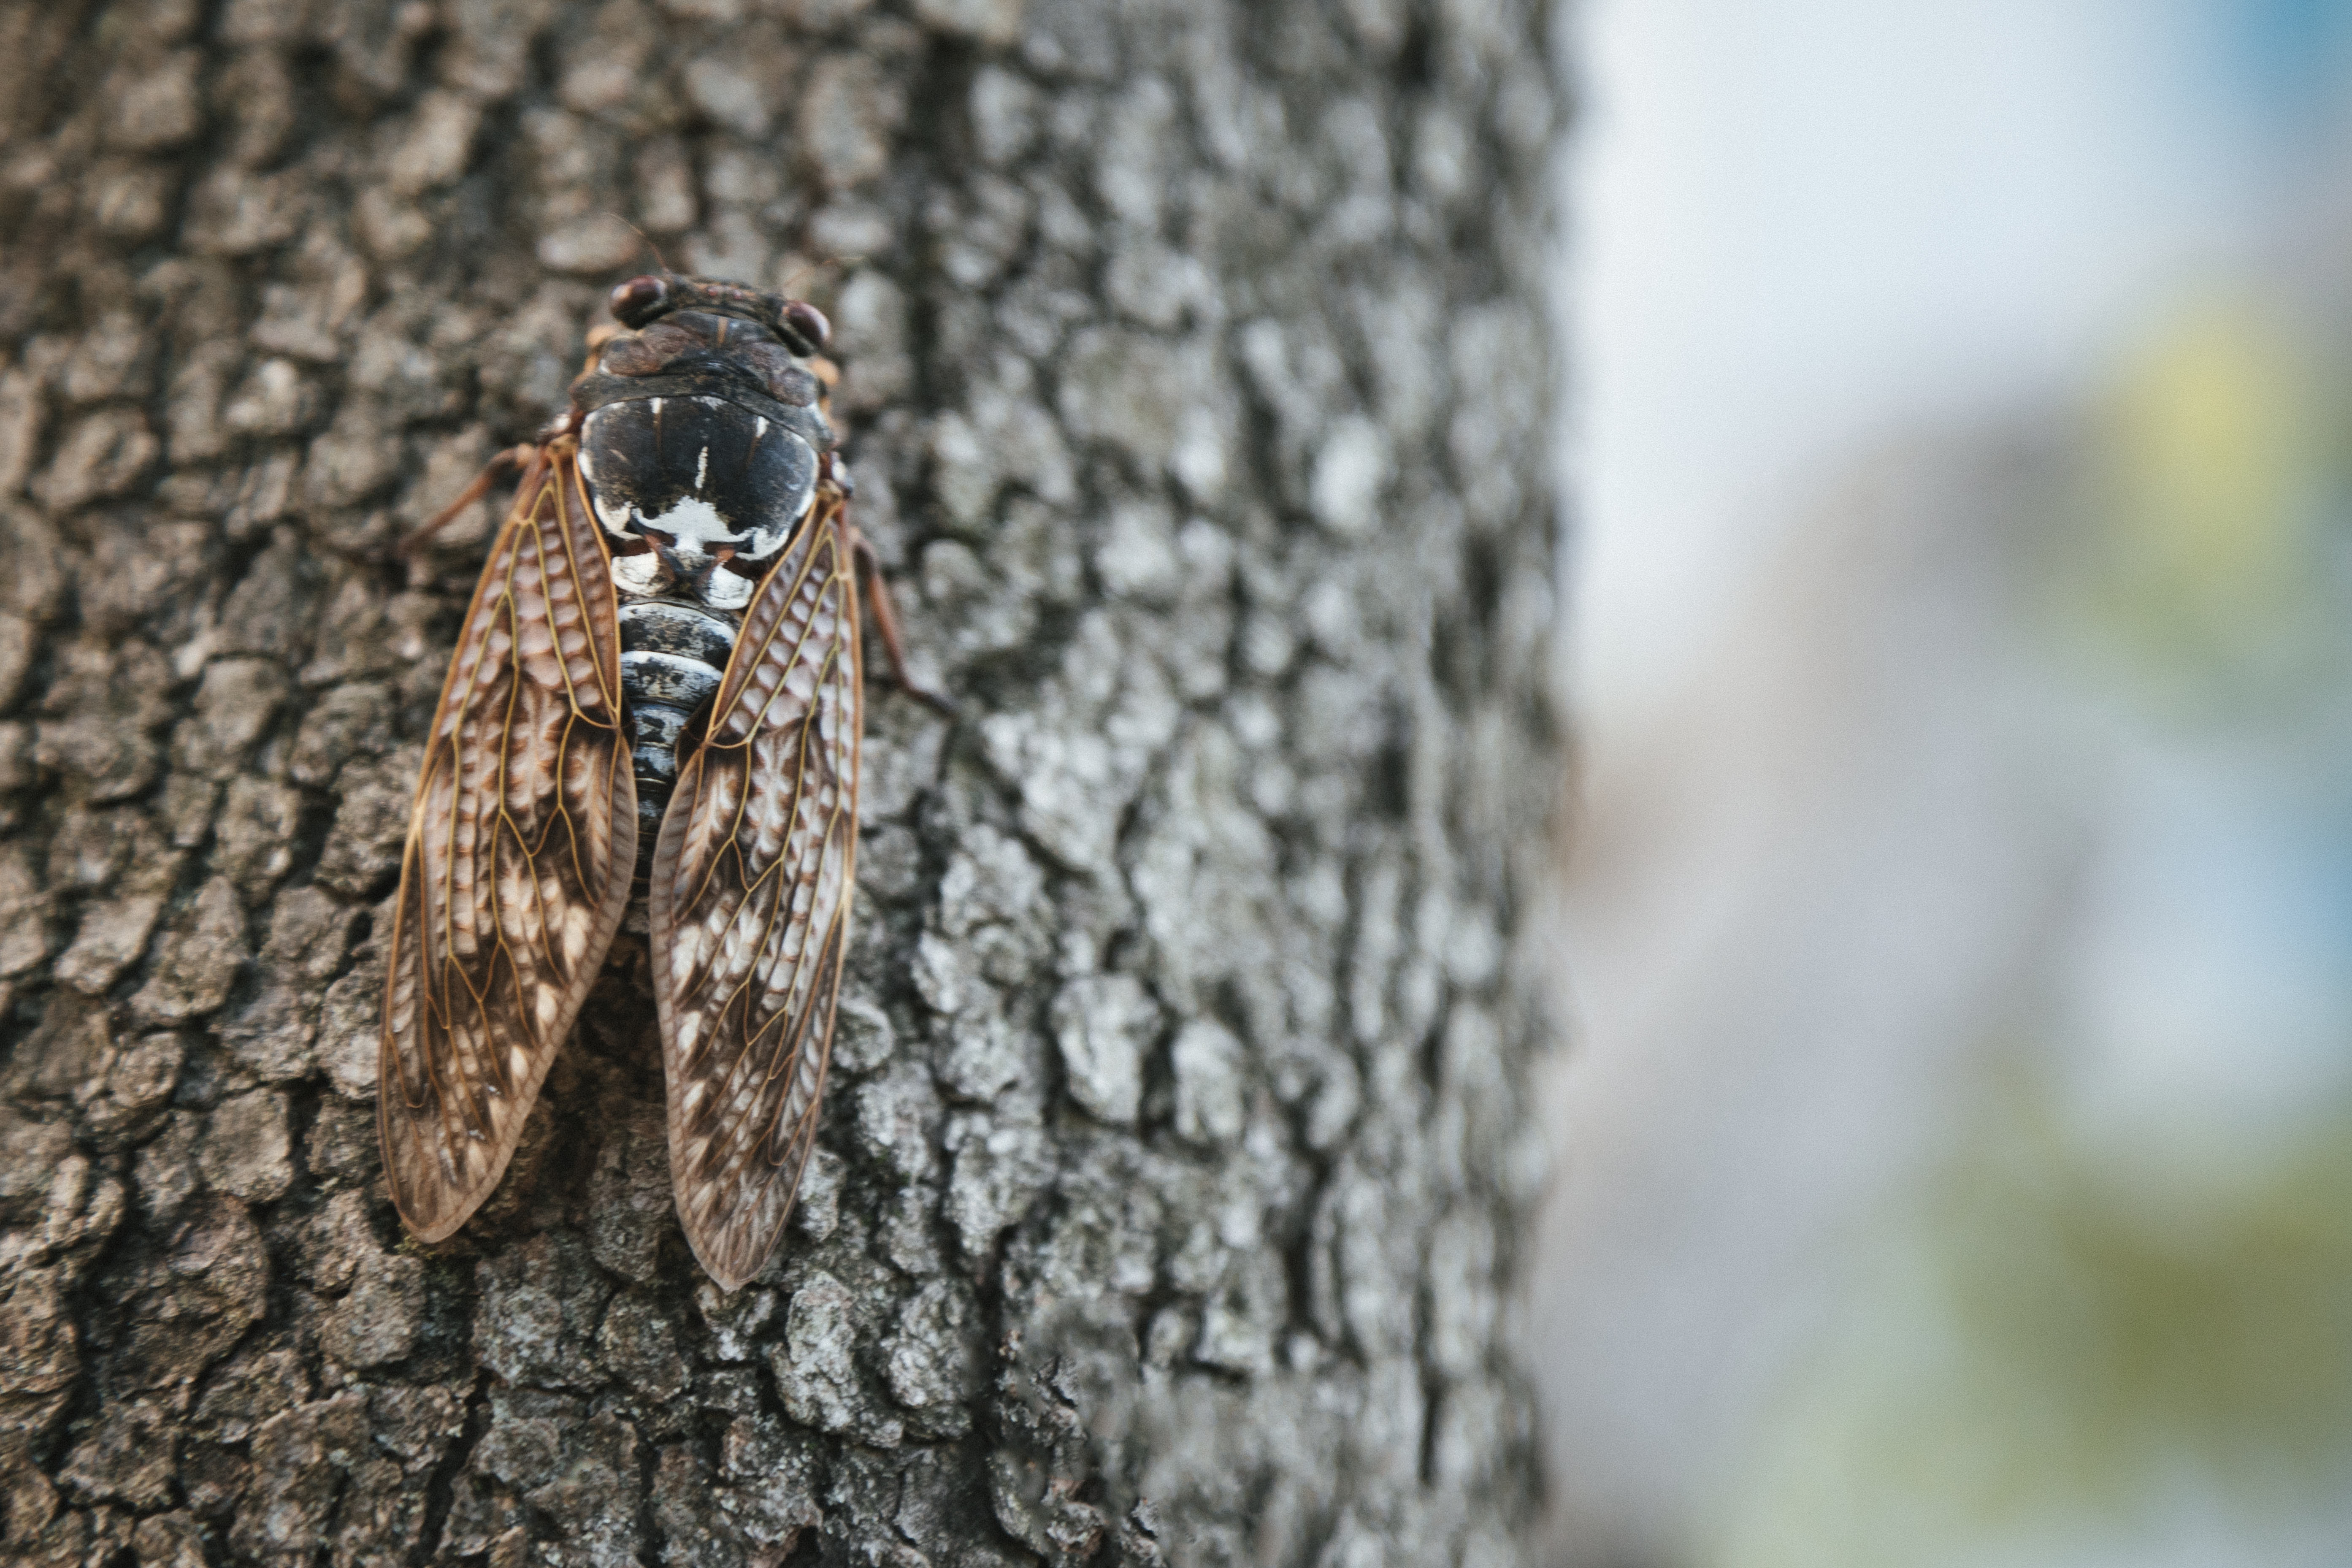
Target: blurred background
(1956, 1152)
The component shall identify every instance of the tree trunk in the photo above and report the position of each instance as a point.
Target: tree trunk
(1175, 1159)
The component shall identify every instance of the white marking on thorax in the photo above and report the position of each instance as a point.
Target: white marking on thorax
(702, 466)
(726, 591)
(694, 523)
(639, 573)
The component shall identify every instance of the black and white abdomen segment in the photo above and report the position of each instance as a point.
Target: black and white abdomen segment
(673, 655)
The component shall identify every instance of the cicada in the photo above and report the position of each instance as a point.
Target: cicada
(657, 693)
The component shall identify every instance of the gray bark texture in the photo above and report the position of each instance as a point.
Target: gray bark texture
(1178, 1144)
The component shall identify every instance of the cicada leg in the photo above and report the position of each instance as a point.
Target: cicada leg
(886, 621)
(525, 457)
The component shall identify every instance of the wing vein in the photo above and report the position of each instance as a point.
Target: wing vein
(511, 923)
(753, 889)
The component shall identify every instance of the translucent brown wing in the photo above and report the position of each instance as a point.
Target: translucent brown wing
(749, 908)
(518, 858)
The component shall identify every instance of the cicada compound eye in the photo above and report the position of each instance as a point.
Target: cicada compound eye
(639, 300)
(809, 322)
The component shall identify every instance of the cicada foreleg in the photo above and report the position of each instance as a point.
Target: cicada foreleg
(886, 621)
(526, 457)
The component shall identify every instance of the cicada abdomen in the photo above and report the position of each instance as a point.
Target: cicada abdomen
(659, 683)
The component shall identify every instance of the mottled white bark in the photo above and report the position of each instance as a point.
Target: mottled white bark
(1177, 1149)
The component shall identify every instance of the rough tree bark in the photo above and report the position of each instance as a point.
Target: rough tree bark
(1177, 1143)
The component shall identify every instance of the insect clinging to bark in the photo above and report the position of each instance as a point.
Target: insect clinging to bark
(657, 685)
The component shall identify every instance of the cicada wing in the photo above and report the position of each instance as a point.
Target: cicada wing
(518, 858)
(748, 909)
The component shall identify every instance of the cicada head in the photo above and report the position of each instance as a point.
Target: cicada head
(797, 324)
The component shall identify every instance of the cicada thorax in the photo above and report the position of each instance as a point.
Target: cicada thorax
(702, 446)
